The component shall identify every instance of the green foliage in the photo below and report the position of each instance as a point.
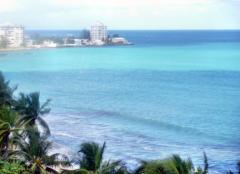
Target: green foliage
(40, 39)
(29, 107)
(3, 42)
(112, 167)
(8, 115)
(6, 92)
(9, 126)
(205, 171)
(92, 160)
(199, 171)
(35, 152)
(172, 165)
(206, 165)
(92, 155)
(79, 171)
(160, 167)
(182, 166)
(70, 40)
(12, 168)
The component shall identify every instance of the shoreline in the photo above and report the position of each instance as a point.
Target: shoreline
(15, 49)
(38, 48)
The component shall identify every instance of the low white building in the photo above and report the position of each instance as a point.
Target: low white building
(13, 34)
(78, 42)
(98, 42)
(49, 44)
(119, 41)
(98, 32)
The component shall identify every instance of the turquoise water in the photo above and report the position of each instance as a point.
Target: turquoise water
(146, 101)
(162, 58)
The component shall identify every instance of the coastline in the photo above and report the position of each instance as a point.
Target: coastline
(37, 48)
(15, 49)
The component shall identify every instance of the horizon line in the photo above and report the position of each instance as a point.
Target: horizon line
(188, 29)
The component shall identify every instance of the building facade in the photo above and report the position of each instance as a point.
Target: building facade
(14, 35)
(98, 32)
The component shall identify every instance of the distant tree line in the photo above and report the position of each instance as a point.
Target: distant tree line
(3, 42)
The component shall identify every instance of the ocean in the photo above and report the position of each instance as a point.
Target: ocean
(171, 92)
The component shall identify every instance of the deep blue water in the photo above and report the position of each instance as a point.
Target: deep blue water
(171, 92)
(156, 37)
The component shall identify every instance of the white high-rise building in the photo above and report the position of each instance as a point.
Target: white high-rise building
(13, 34)
(98, 32)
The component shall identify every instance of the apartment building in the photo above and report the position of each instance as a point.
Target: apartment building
(98, 32)
(13, 34)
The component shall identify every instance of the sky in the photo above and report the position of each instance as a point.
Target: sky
(122, 14)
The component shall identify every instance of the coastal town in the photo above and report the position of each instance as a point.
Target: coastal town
(16, 37)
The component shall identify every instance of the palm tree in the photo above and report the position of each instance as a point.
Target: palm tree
(6, 92)
(79, 171)
(9, 127)
(172, 165)
(92, 155)
(141, 167)
(92, 159)
(12, 167)
(157, 167)
(206, 165)
(34, 151)
(112, 167)
(29, 107)
(182, 166)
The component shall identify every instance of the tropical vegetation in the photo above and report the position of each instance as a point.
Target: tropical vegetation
(25, 147)
(3, 42)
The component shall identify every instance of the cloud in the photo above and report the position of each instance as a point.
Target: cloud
(9, 6)
(127, 14)
(125, 3)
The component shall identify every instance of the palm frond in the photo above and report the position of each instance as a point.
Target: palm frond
(206, 165)
(6, 92)
(112, 167)
(44, 107)
(44, 126)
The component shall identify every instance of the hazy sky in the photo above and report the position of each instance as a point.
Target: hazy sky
(122, 14)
